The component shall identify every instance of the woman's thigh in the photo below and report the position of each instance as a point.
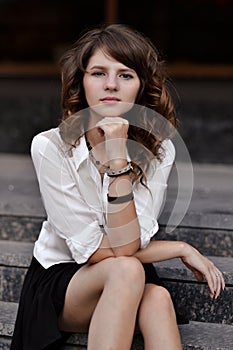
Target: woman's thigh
(86, 287)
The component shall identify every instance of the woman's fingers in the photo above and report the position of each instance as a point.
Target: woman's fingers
(215, 281)
(219, 283)
(203, 267)
(113, 127)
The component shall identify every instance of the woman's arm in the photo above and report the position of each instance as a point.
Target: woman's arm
(103, 252)
(122, 226)
(66, 206)
(122, 221)
(160, 251)
(191, 257)
(107, 250)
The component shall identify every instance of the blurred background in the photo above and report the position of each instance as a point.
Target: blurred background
(194, 37)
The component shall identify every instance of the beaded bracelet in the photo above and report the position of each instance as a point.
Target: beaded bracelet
(121, 199)
(125, 170)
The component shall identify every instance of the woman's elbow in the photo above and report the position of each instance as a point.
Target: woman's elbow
(128, 249)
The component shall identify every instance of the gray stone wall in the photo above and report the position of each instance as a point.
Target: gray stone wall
(205, 112)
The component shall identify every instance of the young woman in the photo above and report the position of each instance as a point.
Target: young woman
(102, 175)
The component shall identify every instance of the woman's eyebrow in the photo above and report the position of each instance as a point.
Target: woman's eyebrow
(97, 67)
(104, 67)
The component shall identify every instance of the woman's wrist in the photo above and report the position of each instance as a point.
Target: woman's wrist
(121, 171)
(184, 249)
(116, 151)
(115, 164)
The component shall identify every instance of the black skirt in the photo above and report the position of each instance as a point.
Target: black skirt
(42, 299)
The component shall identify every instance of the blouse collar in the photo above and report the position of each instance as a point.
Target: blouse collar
(80, 152)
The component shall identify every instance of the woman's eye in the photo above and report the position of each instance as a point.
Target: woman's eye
(97, 74)
(126, 76)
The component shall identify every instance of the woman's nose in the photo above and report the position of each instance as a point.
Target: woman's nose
(111, 82)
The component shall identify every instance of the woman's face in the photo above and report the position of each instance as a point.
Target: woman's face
(108, 82)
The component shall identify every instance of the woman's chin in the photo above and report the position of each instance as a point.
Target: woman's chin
(111, 109)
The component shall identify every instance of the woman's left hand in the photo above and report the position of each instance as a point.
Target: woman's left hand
(202, 268)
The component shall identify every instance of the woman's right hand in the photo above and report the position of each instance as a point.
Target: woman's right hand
(202, 268)
(115, 130)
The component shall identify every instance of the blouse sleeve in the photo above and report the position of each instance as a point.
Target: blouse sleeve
(149, 202)
(71, 217)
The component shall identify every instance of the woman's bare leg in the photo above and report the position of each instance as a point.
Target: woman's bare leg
(104, 298)
(157, 320)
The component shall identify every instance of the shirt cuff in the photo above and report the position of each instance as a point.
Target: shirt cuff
(81, 252)
(147, 231)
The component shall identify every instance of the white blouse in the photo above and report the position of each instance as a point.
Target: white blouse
(75, 199)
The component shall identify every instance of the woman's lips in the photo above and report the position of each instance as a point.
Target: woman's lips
(110, 99)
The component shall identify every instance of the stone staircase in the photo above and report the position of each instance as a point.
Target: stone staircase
(208, 225)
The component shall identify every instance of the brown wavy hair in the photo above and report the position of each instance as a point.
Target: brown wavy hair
(136, 51)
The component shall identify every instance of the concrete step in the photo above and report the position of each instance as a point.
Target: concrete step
(20, 228)
(207, 223)
(212, 188)
(209, 241)
(195, 335)
(196, 229)
(190, 297)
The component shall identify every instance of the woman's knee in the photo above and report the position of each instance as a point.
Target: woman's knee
(128, 271)
(157, 298)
